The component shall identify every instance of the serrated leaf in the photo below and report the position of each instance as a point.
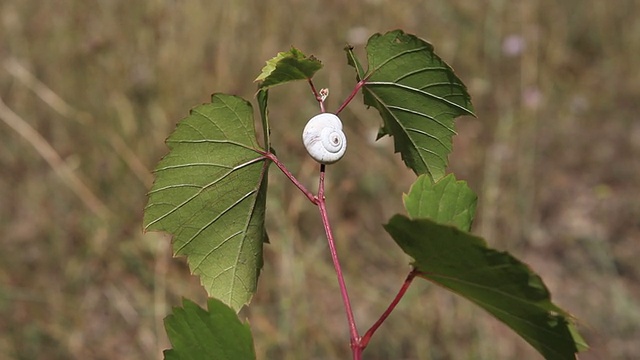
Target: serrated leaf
(210, 193)
(215, 334)
(418, 97)
(446, 202)
(493, 280)
(288, 66)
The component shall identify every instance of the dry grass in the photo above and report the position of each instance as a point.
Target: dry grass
(93, 88)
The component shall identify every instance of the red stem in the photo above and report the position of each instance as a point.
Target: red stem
(358, 344)
(367, 336)
(356, 348)
(321, 203)
(357, 88)
(293, 179)
(317, 95)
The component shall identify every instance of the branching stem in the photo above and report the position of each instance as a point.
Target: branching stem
(358, 343)
(319, 201)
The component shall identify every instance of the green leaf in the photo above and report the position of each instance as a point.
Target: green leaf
(210, 193)
(288, 66)
(417, 95)
(447, 201)
(216, 334)
(494, 280)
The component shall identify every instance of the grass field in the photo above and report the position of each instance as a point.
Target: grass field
(90, 90)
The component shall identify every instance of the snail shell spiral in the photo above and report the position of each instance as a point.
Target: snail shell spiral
(324, 139)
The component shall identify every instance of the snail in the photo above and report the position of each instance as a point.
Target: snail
(324, 139)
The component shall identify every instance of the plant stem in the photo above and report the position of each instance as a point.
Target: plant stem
(367, 336)
(317, 95)
(357, 343)
(356, 348)
(293, 179)
(319, 200)
(357, 88)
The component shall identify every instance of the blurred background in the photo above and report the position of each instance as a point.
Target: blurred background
(91, 89)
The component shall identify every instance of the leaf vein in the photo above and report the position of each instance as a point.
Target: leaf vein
(426, 93)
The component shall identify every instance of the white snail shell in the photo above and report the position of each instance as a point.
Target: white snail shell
(324, 139)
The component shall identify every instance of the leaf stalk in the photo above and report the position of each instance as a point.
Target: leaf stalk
(407, 282)
(357, 88)
(289, 175)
